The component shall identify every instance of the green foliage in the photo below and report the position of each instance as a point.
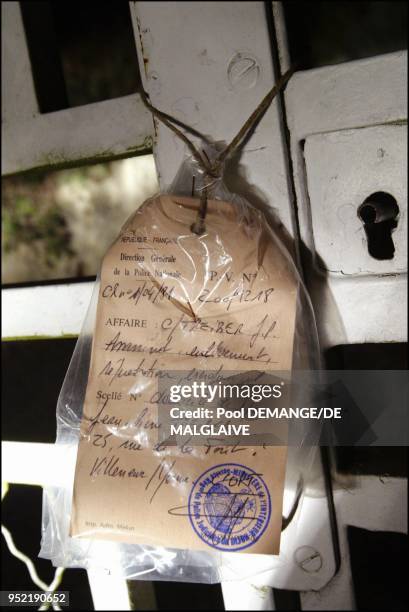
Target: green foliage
(30, 216)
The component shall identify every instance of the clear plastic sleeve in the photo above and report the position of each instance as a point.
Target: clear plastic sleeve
(159, 562)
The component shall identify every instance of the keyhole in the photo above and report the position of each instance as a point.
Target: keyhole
(379, 214)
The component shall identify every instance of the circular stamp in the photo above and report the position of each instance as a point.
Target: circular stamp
(229, 507)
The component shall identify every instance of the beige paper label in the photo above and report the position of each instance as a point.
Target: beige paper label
(170, 300)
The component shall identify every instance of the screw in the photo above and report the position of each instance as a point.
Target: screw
(243, 71)
(308, 559)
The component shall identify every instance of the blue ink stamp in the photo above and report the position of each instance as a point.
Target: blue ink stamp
(229, 507)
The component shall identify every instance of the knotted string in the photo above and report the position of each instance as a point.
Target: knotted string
(214, 168)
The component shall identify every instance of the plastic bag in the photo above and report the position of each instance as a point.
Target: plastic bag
(191, 272)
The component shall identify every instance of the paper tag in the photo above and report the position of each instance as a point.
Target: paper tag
(171, 300)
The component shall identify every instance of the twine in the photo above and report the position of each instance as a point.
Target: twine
(214, 168)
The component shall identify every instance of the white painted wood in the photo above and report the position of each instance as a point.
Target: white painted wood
(108, 592)
(94, 132)
(209, 66)
(308, 532)
(189, 56)
(355, 94)
(369, 296)
(369, 502)
(350, 308)
(360, 310)
(281, 36)
(34, 463)
(343, 169)
(244, 595)
(99, 131)
(49, 310)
